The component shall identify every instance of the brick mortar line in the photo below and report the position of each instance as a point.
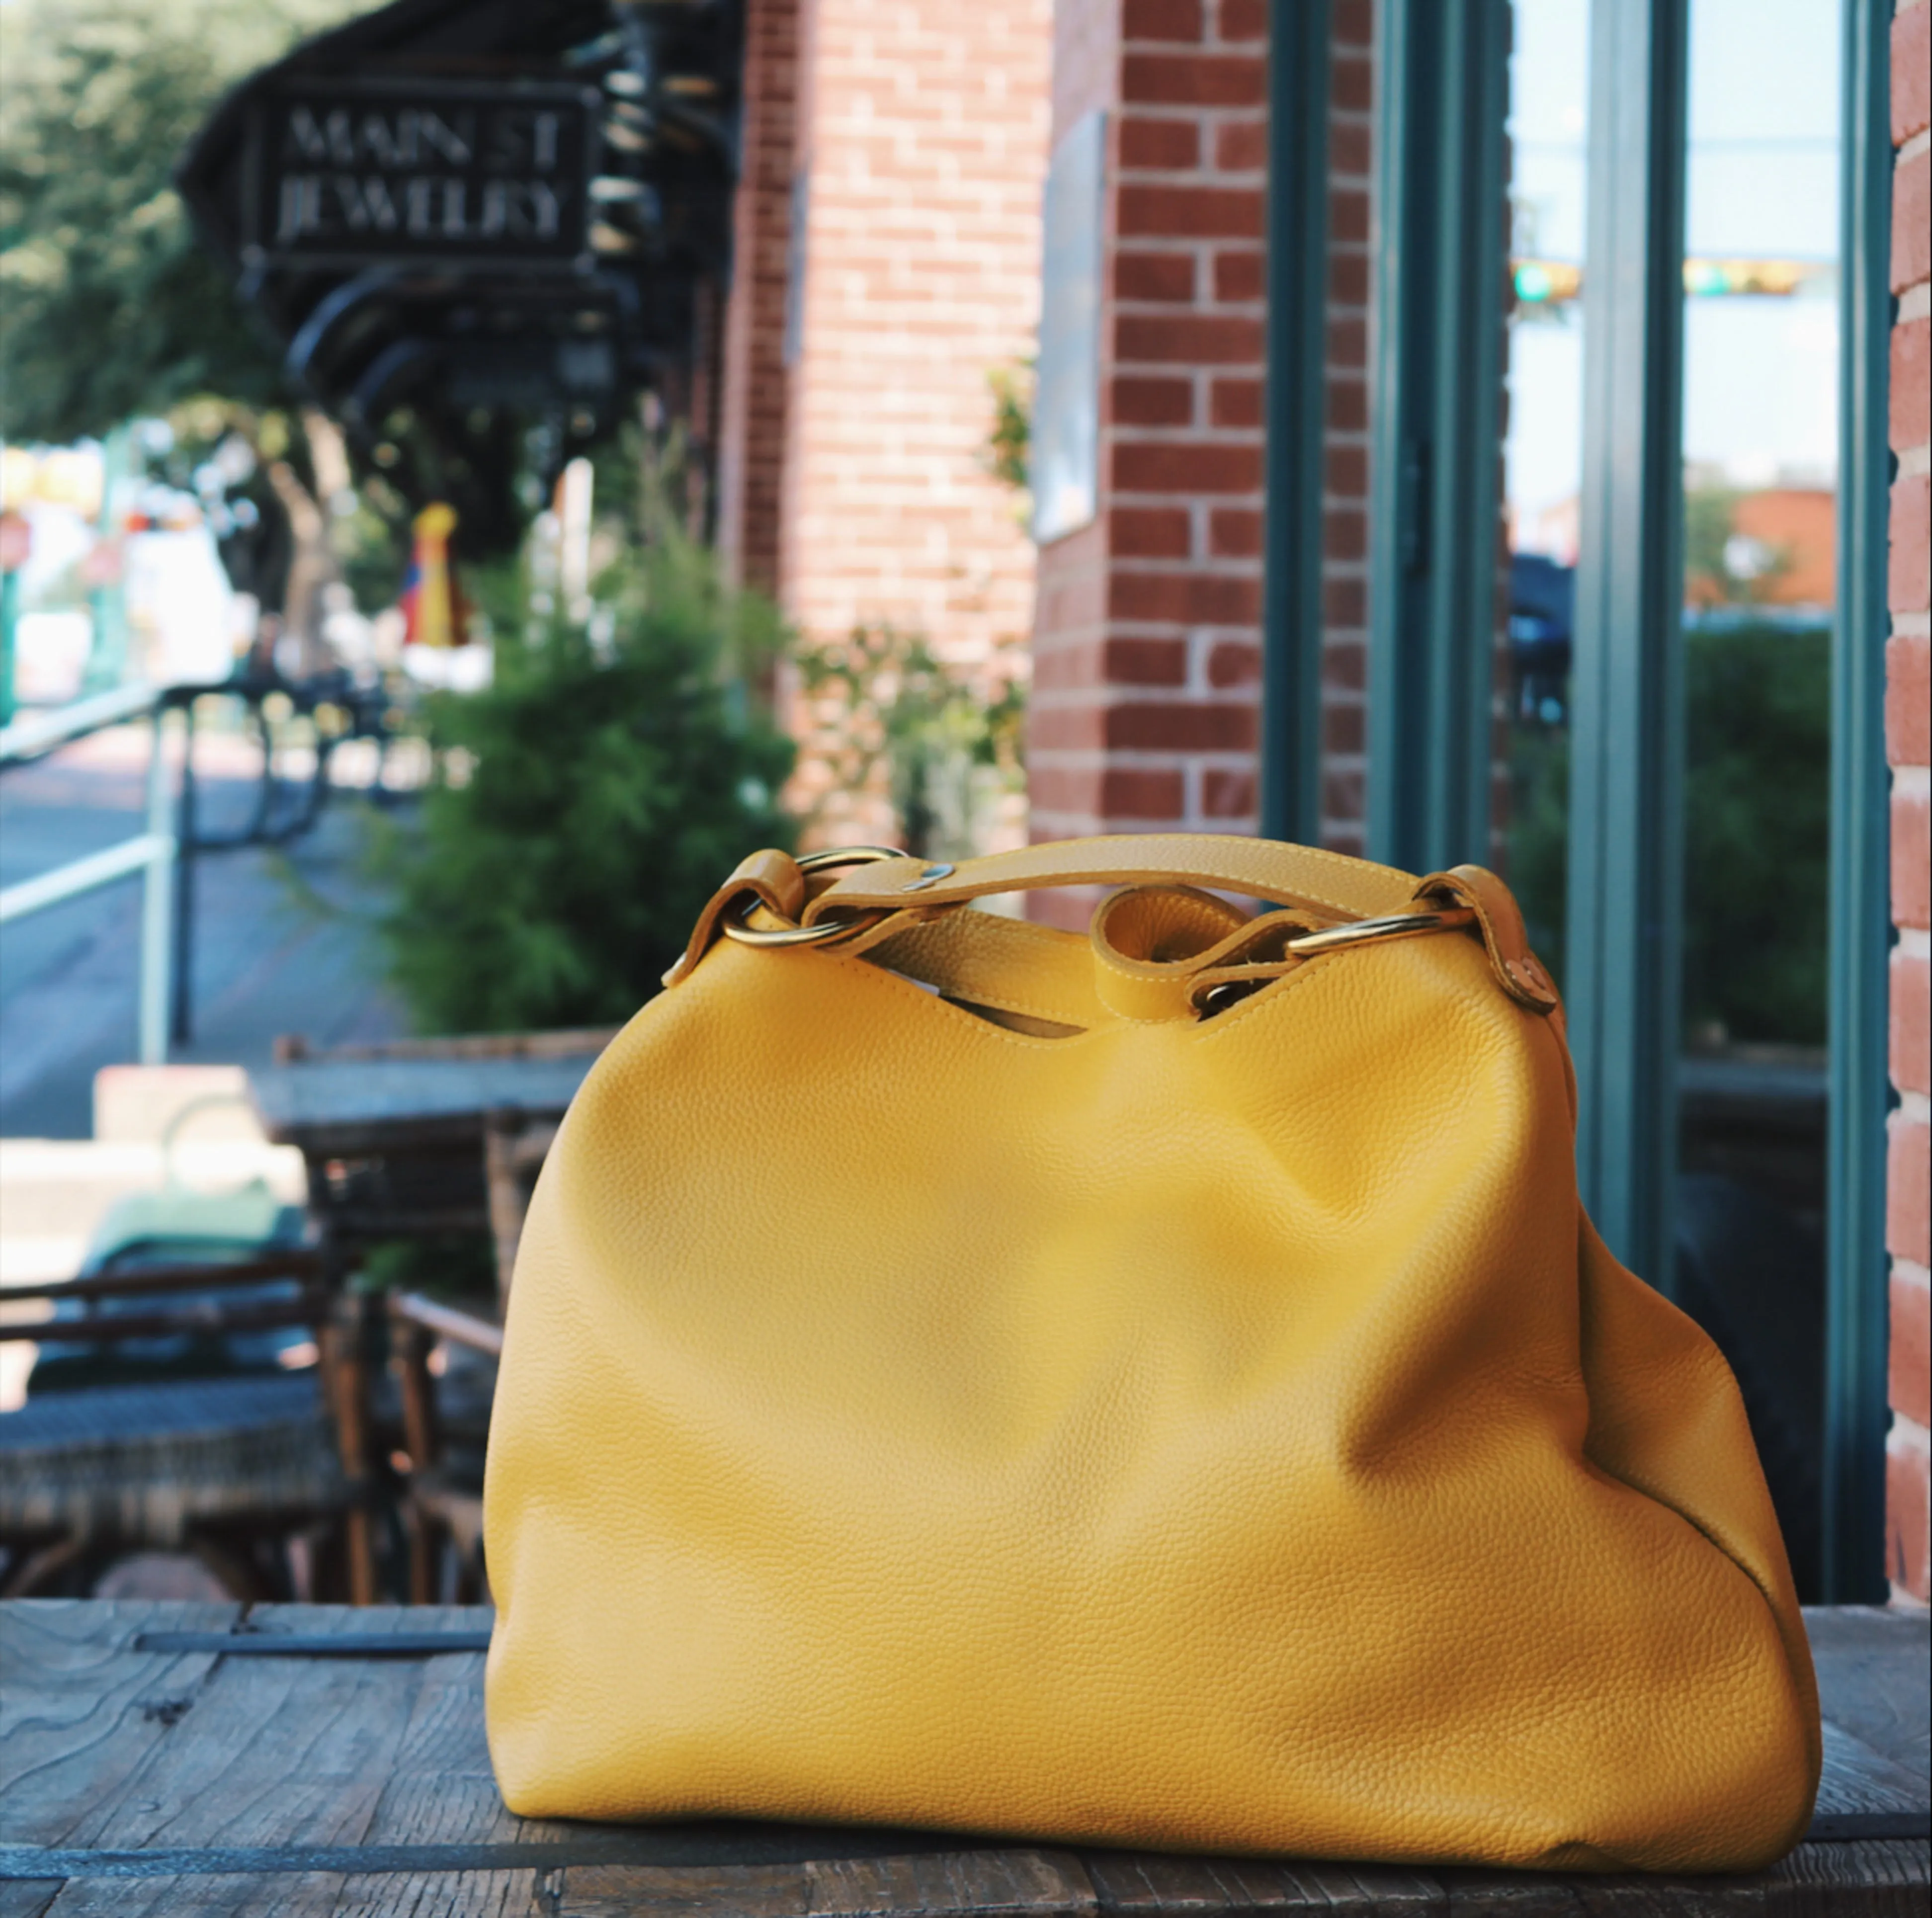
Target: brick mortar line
(1238, 436)
(1915, 942)
(1176, 759)
(1908, 1433)
(1195, 308)
(1913, 460)
(1254, 502)
(1910, 782)
(1179, 630)
(1913, 1109)
(1243, 179)
(1920, 142)
(1915, 302)
(1179, 246)
(1911, 1271)
(1214, 565)
(1911, 626)
(1251, 52)
(1121, 699)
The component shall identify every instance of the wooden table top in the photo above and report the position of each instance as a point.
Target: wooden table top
(349, 1106)
(145, 1770)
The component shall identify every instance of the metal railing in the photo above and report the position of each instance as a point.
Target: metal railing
(151, 854)
(283, 809)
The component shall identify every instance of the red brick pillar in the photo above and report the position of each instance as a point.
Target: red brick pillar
(752, 430)
(912, 204)
(1908, 1475)
(1147, 636)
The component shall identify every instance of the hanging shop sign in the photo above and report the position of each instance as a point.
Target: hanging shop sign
(365, 172)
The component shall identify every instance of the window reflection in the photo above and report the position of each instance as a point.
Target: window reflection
(1760, 479)
(1549, 133)
(1760, 453)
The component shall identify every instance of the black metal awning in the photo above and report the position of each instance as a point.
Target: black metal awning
(465, 219)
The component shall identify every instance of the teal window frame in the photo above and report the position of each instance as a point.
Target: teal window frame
(1435, 419)
(1441, 100)
(1300, 64)
(1857, 1317)
(1624, 939)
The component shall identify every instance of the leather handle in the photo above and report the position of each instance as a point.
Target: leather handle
(1304, 876)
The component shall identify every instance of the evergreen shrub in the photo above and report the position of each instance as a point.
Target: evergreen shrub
(588, 802)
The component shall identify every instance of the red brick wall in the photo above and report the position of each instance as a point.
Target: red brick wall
(752, 433)
(1907, 699)
(922, 127)
(1147, 636)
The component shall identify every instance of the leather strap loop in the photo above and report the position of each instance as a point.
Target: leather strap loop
(1500, 919)
(774, 879)
(1148, 941)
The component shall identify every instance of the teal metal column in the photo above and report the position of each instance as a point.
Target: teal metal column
(1299, 60)
(1435, 538)
(1625, 900)
(1856, 1314)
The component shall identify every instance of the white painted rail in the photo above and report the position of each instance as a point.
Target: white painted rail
(150, 853)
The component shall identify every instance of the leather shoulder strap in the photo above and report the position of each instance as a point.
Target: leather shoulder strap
(1325, 882)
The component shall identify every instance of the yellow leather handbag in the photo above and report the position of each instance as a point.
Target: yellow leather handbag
(1156, 1388)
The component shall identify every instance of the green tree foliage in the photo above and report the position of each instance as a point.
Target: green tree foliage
(588, 803)
(1757, 810)
(1756, 825)
(1009, 444)
(111, 309)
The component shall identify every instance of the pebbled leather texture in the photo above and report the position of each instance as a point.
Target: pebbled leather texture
(1220, 1433)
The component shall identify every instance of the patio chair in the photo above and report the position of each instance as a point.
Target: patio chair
(444, 1360)
(439, 1141)
(177, 1415)
(445, 1364)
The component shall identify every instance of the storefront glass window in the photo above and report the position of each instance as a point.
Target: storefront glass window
(1760, 458)
(1549, 139)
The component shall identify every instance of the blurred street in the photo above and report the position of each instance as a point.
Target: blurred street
(284, 939)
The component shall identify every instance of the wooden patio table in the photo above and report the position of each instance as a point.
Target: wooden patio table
(393, 1135)
(154, 1758)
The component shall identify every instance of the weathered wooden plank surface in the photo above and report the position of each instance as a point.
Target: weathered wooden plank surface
(1142, 1883)
(959, 1884)
(80, 1714)
(311, 1895)
(1875, 1880)
(27, 1898)
(1863, 1794)
(288, 1894)
(222, 1787)
(441, 1895)
(1875, 1673)
(270, 1751)
(441, 1788)
(744, 1891)
(203, 1895)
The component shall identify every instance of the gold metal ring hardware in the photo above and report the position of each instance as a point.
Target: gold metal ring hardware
(1396, 926)
(826, 930)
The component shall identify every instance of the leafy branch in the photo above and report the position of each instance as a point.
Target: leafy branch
(943, 740)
